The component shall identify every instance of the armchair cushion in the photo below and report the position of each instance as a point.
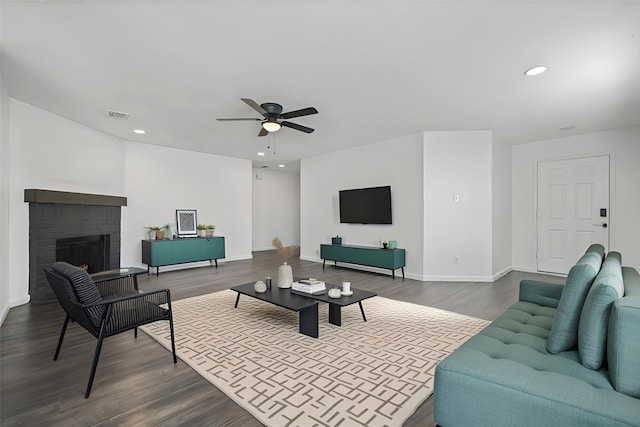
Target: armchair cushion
(564, 331)
(84, 288)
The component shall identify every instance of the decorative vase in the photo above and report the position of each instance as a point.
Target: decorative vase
(393, 244)
(285, 276)
(210, 233)
(260, 287)
(202, 233)
(159, 235)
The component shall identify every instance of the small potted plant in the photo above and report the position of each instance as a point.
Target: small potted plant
(167, 230)
(210, 229)
(202, 230)
(155, 232)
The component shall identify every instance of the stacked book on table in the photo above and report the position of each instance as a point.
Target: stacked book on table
(309, 286)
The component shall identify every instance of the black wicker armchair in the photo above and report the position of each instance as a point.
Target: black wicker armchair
(105, 313)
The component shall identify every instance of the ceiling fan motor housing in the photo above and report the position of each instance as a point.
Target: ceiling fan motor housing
(272, 108)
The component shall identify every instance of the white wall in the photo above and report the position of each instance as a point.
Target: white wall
(458, 163)
(5, 266)
(396, 162)
(276, 208)
(623, 147)
(159, 180)
(50, 152)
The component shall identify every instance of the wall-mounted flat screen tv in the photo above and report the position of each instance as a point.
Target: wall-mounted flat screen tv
(365, 205)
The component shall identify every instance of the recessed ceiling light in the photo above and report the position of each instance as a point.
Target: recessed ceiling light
(534, 71)
(139, 131)
(280, 166)
(260, 153)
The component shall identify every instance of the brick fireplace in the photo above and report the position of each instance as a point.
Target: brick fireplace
(83, 229)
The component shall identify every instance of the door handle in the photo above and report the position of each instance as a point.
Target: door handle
(603, 225)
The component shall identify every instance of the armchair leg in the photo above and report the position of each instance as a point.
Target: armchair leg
(64, 329)
(94, 365)
(173, 340)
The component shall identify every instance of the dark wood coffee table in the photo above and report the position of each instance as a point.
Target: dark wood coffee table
(306, 307)
(336, 304)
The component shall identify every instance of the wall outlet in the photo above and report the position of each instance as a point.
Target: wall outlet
(455, 260)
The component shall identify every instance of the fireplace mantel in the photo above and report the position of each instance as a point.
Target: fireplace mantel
(64, 197)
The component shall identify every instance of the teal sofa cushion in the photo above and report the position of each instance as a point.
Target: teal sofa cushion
(594, 319)
(564, 331)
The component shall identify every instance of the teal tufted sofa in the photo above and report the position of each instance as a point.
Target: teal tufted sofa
(563, 355)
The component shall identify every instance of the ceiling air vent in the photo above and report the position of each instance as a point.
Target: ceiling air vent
(117, 115)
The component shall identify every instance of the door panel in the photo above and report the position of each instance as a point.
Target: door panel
(571, 194)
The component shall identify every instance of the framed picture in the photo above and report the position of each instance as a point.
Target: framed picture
(187, 222)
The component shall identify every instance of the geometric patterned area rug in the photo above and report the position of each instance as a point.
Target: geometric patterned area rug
(373, 373)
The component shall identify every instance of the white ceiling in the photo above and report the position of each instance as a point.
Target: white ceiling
(375, 70)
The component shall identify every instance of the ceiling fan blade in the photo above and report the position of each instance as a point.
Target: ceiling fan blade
(299, 113)
(263, 132)
(237, 118)
(297, 127)
(253, 104)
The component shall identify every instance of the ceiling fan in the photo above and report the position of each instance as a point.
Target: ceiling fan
(273, 117)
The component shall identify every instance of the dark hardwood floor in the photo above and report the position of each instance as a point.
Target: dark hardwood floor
(136, 382)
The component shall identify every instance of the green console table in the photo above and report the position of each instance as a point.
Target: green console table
(365, 255)
(158, 253)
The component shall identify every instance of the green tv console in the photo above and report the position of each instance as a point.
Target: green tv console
(158, 253)
(371, 256)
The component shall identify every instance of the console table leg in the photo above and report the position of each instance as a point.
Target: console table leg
(402, 273)
(362, 311)
(237, 299)
(216, 260)
(323, 261)
(393, 274)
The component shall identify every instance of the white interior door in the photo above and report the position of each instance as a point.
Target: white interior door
(573, 210)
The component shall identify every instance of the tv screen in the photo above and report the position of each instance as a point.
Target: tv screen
(365, 205)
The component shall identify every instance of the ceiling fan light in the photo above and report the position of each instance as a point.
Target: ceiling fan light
(271, 126)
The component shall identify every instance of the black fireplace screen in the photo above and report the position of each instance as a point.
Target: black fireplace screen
(88, 252)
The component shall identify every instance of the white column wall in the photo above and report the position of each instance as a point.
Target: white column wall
(458, 163)
(501, 208)
(5, 265)
(623, 147)
(276, 208)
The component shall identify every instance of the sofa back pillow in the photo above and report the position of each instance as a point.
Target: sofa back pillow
(623, 346)
(596, 248)
(564, 330)
(594, 319)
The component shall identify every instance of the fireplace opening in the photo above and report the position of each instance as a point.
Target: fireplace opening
(88, 252)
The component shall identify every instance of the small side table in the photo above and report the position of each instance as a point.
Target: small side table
(119, 273)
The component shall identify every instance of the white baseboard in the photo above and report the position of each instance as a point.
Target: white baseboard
(4, 311)
(421, 278)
